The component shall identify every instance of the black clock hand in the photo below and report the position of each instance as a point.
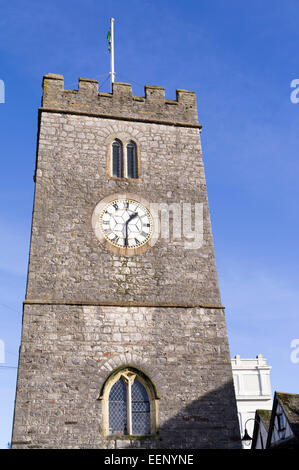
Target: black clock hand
(126, 239)
(132, 216)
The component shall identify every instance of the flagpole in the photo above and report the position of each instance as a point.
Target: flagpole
(112, 73)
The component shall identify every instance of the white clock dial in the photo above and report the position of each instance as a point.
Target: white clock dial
(126, 223)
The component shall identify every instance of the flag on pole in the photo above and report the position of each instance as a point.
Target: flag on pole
(109, 40)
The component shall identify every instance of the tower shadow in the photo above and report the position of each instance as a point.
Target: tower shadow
(207, 423)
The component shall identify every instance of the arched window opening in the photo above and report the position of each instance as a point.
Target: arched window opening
(117, 157)
(140, 409)
(130, 404)
(118, 408)
(132, 164)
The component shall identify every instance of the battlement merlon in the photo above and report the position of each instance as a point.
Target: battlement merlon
(153, 107)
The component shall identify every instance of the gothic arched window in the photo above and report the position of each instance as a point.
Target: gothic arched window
(117, 159)
(130, 405)
(118, 408)
(140, 408)
(132, 164)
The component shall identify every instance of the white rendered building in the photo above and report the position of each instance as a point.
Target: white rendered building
(252, 388)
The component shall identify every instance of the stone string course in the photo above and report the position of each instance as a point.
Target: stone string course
(68, 351)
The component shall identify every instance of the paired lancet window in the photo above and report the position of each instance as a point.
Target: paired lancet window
(124, 164)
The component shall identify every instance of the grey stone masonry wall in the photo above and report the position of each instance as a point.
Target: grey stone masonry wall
(69, 351)
(89, 311)
(120, 103)
(66, 259)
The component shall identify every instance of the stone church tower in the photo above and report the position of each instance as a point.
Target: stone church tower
(124, 341)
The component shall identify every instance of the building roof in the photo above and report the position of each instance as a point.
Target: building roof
(290, 405)
(264, 416)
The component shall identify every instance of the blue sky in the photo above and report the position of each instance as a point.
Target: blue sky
(240, 59)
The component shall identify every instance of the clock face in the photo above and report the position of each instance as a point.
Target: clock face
(126, 223)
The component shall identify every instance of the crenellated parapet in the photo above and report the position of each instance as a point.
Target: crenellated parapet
(120, 103)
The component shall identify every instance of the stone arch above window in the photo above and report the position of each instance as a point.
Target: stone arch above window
(130, 405)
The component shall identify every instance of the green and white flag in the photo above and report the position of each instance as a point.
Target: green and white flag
(109, 40)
